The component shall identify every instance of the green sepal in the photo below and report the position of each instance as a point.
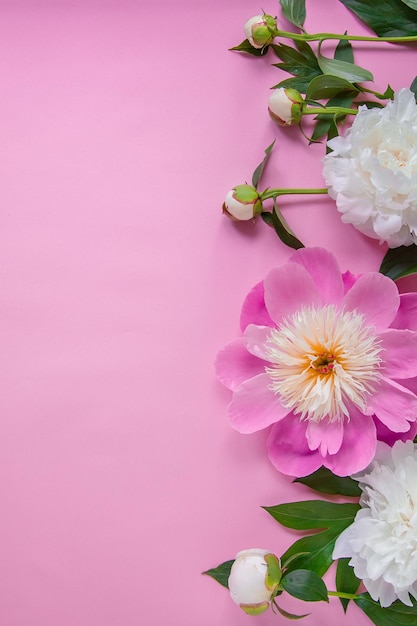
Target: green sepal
(273, 572)
(305, 585)
(399, 262)
(245, 194)
(324, 481)
(346, 581)
(255, 609)
(221, 573)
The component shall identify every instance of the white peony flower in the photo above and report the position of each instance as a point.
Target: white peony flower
(251, 584)
(382, 541)
(371, 172)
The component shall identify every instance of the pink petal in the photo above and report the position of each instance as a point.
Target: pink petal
(234, 364)
(407, 313)
(288, 450)
(327, 437)
(324, 270)
(376, 297)
(254, 406)
(256, 338)
(349, 280)
(254, 310)
(288, 289)
(358, 447)
(399, 354)
(387, 436)
(394, 405)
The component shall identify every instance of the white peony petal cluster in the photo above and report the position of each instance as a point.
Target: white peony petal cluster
(382, 541)
(371, 172)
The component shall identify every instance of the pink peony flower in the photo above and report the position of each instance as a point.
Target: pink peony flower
(327, 359)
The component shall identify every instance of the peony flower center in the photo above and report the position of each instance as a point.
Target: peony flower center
(322, 360)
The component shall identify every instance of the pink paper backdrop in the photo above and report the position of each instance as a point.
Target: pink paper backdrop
(122, 126)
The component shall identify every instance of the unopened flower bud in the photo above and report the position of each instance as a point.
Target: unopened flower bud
(261, 30)
(285, 106)
(242, 203)
(254, 580)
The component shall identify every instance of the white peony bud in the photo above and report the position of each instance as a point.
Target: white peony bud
(242, 203)
(285, 106)
(253, 580)
(260, 30)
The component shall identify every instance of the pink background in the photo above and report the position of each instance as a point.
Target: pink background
(122, 126)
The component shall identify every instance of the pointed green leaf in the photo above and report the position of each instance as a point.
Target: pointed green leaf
(391, 19)
(259, 170)
(294, 11)
(343, 69)
(305, 585)
(221, 573)
(325, 86)
(300, 61)
(344, 51)
(411, 3)
(398, 614)
(325, 120)
(325, 481)
(300, 83)
(413, 86)
(247, 47)
(317, 549)
(276, 220)
(311, 514)
(399, 262)
(288, 615)
(346, 580)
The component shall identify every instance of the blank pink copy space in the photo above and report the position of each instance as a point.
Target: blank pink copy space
(122, 127)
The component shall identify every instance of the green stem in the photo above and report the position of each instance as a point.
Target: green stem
(282, 191)
(332, 110)
(342, 594)
(323, 36)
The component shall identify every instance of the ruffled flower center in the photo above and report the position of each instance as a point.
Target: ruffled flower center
(321, 360)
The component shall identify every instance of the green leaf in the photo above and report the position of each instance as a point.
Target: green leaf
(411, 3)
(325, 481)
(246, 47)
(276, 220)
(399, 262)
(221, 573)
(398, 614)
(300, 83)
(300, 61)
(325, 86)
(325, 120)
(389, 18)
(346, 580)
(413, 86)
(343, 69)
(305, 585)
(311, 514)
(294, 11)
(286, 614)
(318, 549)
(259, 170)
(344, 51)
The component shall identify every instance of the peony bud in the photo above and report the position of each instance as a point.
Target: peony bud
(285, 106)
(242, 203)
(254, 580)
(261, 30)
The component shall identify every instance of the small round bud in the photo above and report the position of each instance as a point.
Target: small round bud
(242, 203)
(254, 580)
(285, 106)
(261, 30)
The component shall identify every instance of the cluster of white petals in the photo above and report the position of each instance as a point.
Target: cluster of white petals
(382, 541)
(371, 172)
